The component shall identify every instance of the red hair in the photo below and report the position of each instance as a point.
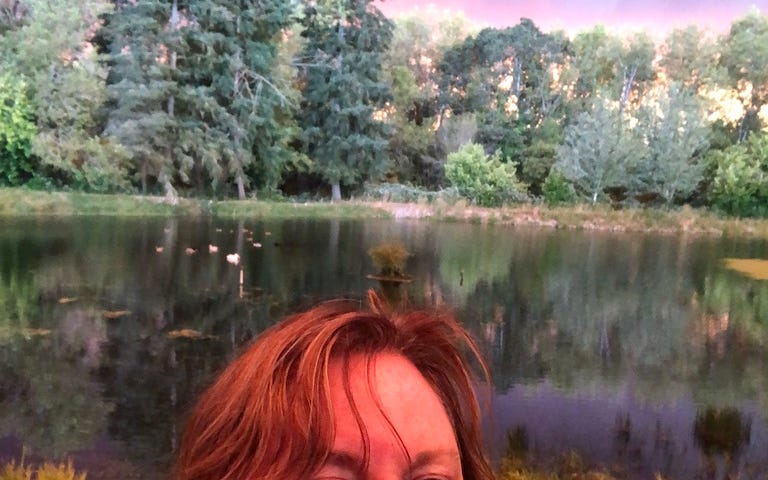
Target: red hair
(268, 415)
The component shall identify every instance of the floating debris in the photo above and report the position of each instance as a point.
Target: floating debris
(159, 249)
(65, 300)
(256, 245)
(212, 248)
(35, 332)
(113, 314)
(233, 258)
(189, 333)
(190, 251)
(752, 267)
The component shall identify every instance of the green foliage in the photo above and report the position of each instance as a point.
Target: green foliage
(232, 48)
(343, 88)
(557, 190)
(596, 151)
(689, 57)
(412, 135)
(744, 55)
(537, 158)
(67, 92)
(739, 185)
(675, 137)
(17, 130)
(483, 179)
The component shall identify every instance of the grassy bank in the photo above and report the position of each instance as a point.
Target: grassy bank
(21, 202)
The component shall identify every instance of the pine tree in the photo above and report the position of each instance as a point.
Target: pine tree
(343, 89)
(229, 87)
(142, 38)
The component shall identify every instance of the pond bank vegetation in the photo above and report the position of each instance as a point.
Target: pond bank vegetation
(685, 220)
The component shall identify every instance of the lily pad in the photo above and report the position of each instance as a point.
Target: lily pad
(752, 267)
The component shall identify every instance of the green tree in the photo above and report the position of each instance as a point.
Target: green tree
(17, 131)
(739, 184)
(229, 89)
(689, 57)
(744, 55)
(596, 150)
(343, 89)
(675, 137)
(54, 50)
(611, 65)
(407, 68)
(143, 40)
(506, 77)
(538, 157)
(483, 179)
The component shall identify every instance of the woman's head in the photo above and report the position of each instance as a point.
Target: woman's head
(337, 390)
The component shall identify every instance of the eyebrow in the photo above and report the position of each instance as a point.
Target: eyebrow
(345, 460)
(428, 457)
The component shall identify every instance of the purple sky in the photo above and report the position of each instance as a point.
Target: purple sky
(575, 15)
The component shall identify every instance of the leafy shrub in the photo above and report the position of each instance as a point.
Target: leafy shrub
(483, 179)
(557, 189)
(740, 182)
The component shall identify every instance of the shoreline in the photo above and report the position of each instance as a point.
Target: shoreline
(16, 202)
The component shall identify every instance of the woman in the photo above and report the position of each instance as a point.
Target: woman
(338, 392)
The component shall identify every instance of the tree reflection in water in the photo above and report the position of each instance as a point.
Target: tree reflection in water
(602, 344)
(721, 434)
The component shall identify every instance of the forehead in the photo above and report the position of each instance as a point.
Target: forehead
(395, 404)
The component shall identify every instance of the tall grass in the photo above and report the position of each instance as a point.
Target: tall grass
(46, 471)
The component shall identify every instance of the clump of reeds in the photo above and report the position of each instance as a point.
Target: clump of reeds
(390, 258)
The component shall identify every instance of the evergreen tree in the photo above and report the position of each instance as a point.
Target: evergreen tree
(343, 89)
(675, 136)
(194, 95)
(229, 88)
(143, 39)
(596, 151)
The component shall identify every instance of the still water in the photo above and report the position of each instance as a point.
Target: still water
(640, 353)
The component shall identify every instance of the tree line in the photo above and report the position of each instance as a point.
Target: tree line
(230, 98)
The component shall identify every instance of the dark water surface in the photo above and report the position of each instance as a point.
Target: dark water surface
(638, 352)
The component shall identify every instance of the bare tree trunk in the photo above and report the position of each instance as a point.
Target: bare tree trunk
(170, 192)
(240, 186)
(335, 191)
(518, 74)
(626, 89)
(144, 177)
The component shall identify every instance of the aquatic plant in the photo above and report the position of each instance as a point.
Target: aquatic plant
(389, 258)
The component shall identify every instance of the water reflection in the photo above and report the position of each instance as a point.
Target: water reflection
(615, 346)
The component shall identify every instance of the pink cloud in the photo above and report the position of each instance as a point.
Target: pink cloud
(574, 15)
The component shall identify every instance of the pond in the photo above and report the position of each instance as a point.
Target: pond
(638, 352)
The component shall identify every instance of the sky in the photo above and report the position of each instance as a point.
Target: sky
(575, 15)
